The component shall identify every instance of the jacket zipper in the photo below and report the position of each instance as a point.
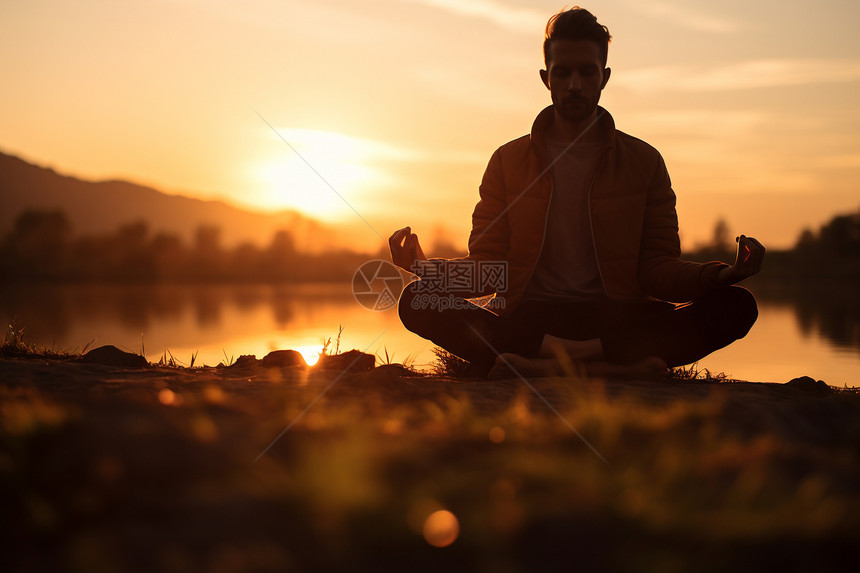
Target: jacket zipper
(591, 224)
(543, 237)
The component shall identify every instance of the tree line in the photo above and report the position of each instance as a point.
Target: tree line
(832, 252)
(42, 246)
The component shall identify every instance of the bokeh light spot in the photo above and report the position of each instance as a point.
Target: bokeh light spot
(497, 435)
(441, 528)
(166, 396)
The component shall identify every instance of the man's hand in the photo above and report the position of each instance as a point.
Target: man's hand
(747, 262)
(405, 249)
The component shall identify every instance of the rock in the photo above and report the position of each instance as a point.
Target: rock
(395, 369)
(808, 384)
(113, 356)
(245, 361)
(352, 361)
(284, 358)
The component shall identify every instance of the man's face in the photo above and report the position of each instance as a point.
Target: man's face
(575, 77)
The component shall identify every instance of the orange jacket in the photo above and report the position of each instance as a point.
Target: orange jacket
(632, 210)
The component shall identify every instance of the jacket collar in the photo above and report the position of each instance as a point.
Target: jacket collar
(544, 119)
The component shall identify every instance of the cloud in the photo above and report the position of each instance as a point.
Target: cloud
(687, 18)
(754, 74)
(517, 19)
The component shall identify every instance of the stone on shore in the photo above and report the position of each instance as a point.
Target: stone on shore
(352, 361)
(283, 359)
(110, 355)
(809, 384)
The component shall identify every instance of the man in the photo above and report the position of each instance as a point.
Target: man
(582, 216)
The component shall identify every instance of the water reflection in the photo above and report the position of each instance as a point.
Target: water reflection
(822, 322)
(50, 311)
(829, 309)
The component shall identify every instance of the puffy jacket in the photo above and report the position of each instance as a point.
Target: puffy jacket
(632, 211)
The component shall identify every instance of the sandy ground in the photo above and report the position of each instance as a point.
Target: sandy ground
(108, 468)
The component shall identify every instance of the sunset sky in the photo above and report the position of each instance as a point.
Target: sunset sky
(398, 104)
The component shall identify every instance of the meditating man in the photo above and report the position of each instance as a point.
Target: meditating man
(576, 236)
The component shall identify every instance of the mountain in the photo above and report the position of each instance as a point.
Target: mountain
(95, 207)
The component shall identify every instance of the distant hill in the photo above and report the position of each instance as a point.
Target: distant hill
(102, 206)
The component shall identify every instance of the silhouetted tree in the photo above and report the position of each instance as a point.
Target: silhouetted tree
(38, 244)
(719, 248)
(207, 256)
(841, 236)
(722, 237)
(169, 255)
(281, 261)
(246, 262)
(135, 256)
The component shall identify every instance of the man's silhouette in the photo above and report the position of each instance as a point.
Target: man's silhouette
(582, 218)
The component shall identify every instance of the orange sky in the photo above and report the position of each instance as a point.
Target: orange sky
(398, 104)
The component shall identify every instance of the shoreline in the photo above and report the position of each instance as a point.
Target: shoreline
(119, 468)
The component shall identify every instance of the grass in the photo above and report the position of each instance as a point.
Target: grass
(691, 373)
(388, 359)
(326, 343)
(447, 364)
(167, 360)
(15, 346)
(707, 478)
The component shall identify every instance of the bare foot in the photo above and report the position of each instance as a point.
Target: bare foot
(513, 366)
(553, 347)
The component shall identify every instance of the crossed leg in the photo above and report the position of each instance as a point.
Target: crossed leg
(607, 338)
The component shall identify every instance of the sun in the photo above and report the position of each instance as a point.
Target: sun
(310, 353)
(322, 174)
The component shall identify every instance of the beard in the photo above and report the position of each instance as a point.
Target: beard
(576, 109)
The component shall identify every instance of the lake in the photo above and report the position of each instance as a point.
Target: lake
(812, 331)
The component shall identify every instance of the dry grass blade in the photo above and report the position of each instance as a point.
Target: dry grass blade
(447, 364)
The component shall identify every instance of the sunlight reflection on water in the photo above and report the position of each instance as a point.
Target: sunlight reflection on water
(219, 323)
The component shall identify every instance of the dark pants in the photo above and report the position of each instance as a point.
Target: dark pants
(628, 331)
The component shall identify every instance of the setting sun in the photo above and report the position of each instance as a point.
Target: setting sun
(323, 174)
(311, 353)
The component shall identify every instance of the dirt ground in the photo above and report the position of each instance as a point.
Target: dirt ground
(110, 468)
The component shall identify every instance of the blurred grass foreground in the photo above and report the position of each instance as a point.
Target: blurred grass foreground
(244, 468)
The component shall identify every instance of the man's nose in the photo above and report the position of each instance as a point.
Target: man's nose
(574, 83)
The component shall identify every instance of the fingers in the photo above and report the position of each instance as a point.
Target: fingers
(750, 241)
(405, 248)
(750, 255)
(396, 238)
(756, 244)
(415, 250)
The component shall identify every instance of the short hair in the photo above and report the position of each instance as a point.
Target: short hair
(576, 24)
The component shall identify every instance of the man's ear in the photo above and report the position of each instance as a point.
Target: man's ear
(606, 73)
(544, 77)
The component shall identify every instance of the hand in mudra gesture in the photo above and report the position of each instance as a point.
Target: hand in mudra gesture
(747, 261)
(405, 249)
